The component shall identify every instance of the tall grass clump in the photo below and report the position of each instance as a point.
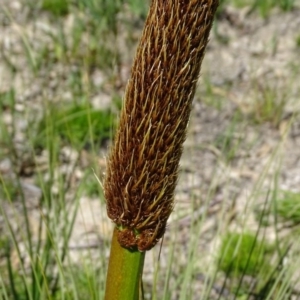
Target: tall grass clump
(142, 167)
(37, 217)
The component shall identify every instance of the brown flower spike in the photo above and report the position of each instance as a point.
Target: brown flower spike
(142, 168)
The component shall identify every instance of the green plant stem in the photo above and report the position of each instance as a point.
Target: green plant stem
(124, 273)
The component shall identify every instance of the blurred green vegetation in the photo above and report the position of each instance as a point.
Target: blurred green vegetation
(76, 125)
(243, 254)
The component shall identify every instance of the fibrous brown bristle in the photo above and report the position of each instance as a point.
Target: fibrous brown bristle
(142, 168)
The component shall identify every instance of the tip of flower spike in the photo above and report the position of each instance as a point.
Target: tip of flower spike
(127, 238)
(133, 240)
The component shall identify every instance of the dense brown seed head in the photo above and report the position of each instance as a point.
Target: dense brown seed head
(142, 168)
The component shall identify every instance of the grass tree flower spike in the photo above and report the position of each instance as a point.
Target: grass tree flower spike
(142, 167)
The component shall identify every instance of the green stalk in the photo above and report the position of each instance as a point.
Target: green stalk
(124, 272)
